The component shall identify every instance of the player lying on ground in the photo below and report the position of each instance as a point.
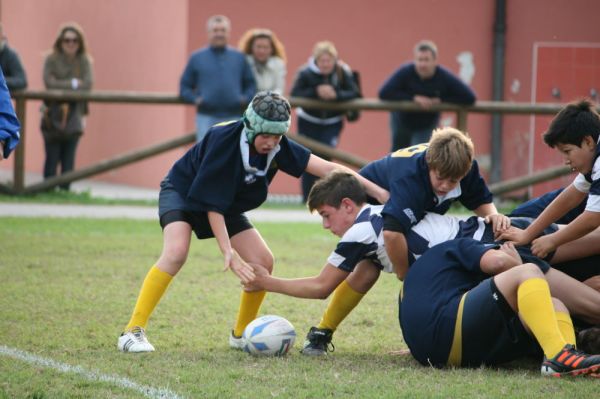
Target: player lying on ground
(355, 265)
(453, 313)
(207, 192)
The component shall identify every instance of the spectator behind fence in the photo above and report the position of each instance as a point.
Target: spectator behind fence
(9, 125)
(322, 78)
(217, 79)
(67, 67)
(266, 56)
(14, 73)
(426, 83)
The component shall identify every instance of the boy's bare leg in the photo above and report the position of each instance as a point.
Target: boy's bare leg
(250, 245)
(581, 300)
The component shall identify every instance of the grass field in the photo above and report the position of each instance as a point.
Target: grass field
(67, 287)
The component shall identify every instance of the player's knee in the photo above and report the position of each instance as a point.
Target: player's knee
(175, 256)
(529, 270)
(265, 260)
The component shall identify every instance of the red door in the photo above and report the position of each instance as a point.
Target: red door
(563, 72)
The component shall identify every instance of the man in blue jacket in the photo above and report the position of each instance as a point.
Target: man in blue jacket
(426, 83)
(217, 79)
(9, 124)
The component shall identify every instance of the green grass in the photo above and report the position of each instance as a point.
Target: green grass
(68, 287)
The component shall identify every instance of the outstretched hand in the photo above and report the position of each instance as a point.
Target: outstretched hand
(232, 260)
(499, 222)
(257, 283)
(515, 235)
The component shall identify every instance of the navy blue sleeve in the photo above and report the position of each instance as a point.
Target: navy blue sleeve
(457, 91)
(406, 204)
(292, 158)
(468, 252)
(9, 124)
(474, 190)
(187, 84)
(395, 87)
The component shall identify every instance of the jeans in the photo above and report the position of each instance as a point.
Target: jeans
(326, 134)
(62, 152)
(403, 136)
(205, 122)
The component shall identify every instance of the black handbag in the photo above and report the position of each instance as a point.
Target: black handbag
(61, 120)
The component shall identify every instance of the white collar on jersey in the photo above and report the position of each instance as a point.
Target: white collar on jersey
(245, 150)
(454, 193)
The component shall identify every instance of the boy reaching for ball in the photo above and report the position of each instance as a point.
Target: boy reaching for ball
(352, 268)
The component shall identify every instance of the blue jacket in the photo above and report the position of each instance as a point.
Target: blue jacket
(405, 83)
(221, 77)
(9, 124)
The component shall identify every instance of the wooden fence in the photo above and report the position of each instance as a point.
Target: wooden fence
(367, 104)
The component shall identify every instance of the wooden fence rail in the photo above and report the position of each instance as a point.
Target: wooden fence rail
(367, 104)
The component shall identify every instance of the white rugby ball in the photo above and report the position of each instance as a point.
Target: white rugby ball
(269, 336)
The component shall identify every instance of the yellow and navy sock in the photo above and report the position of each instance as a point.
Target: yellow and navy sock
(154, 286)
(249, 305)
(344, 299)
(536, 309)
(565, 325)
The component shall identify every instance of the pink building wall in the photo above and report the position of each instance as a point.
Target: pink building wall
(143, 46)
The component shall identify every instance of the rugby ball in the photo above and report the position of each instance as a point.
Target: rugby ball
(269, 336)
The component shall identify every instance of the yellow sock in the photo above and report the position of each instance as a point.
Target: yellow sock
(565, 325)
(344, 299)
(536, 309)
(249, 304)
(153, 288)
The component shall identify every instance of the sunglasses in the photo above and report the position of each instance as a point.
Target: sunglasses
(70, 40)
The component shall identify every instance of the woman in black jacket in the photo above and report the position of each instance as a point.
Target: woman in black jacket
(322, 78)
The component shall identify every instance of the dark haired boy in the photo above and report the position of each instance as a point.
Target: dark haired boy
(574, 133)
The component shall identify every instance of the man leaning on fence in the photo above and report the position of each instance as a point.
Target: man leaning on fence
(217, 79)
(426, 83)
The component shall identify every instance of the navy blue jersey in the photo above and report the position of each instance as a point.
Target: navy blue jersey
(432, 291)
(405, 174)
(534, 207)
(211, 176)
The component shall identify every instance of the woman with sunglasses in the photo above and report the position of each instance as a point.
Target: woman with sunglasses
(67, 67)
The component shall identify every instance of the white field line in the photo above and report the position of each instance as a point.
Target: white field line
(147, 391)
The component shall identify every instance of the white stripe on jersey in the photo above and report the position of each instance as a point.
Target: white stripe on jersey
(364, 240)
(435, 229)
